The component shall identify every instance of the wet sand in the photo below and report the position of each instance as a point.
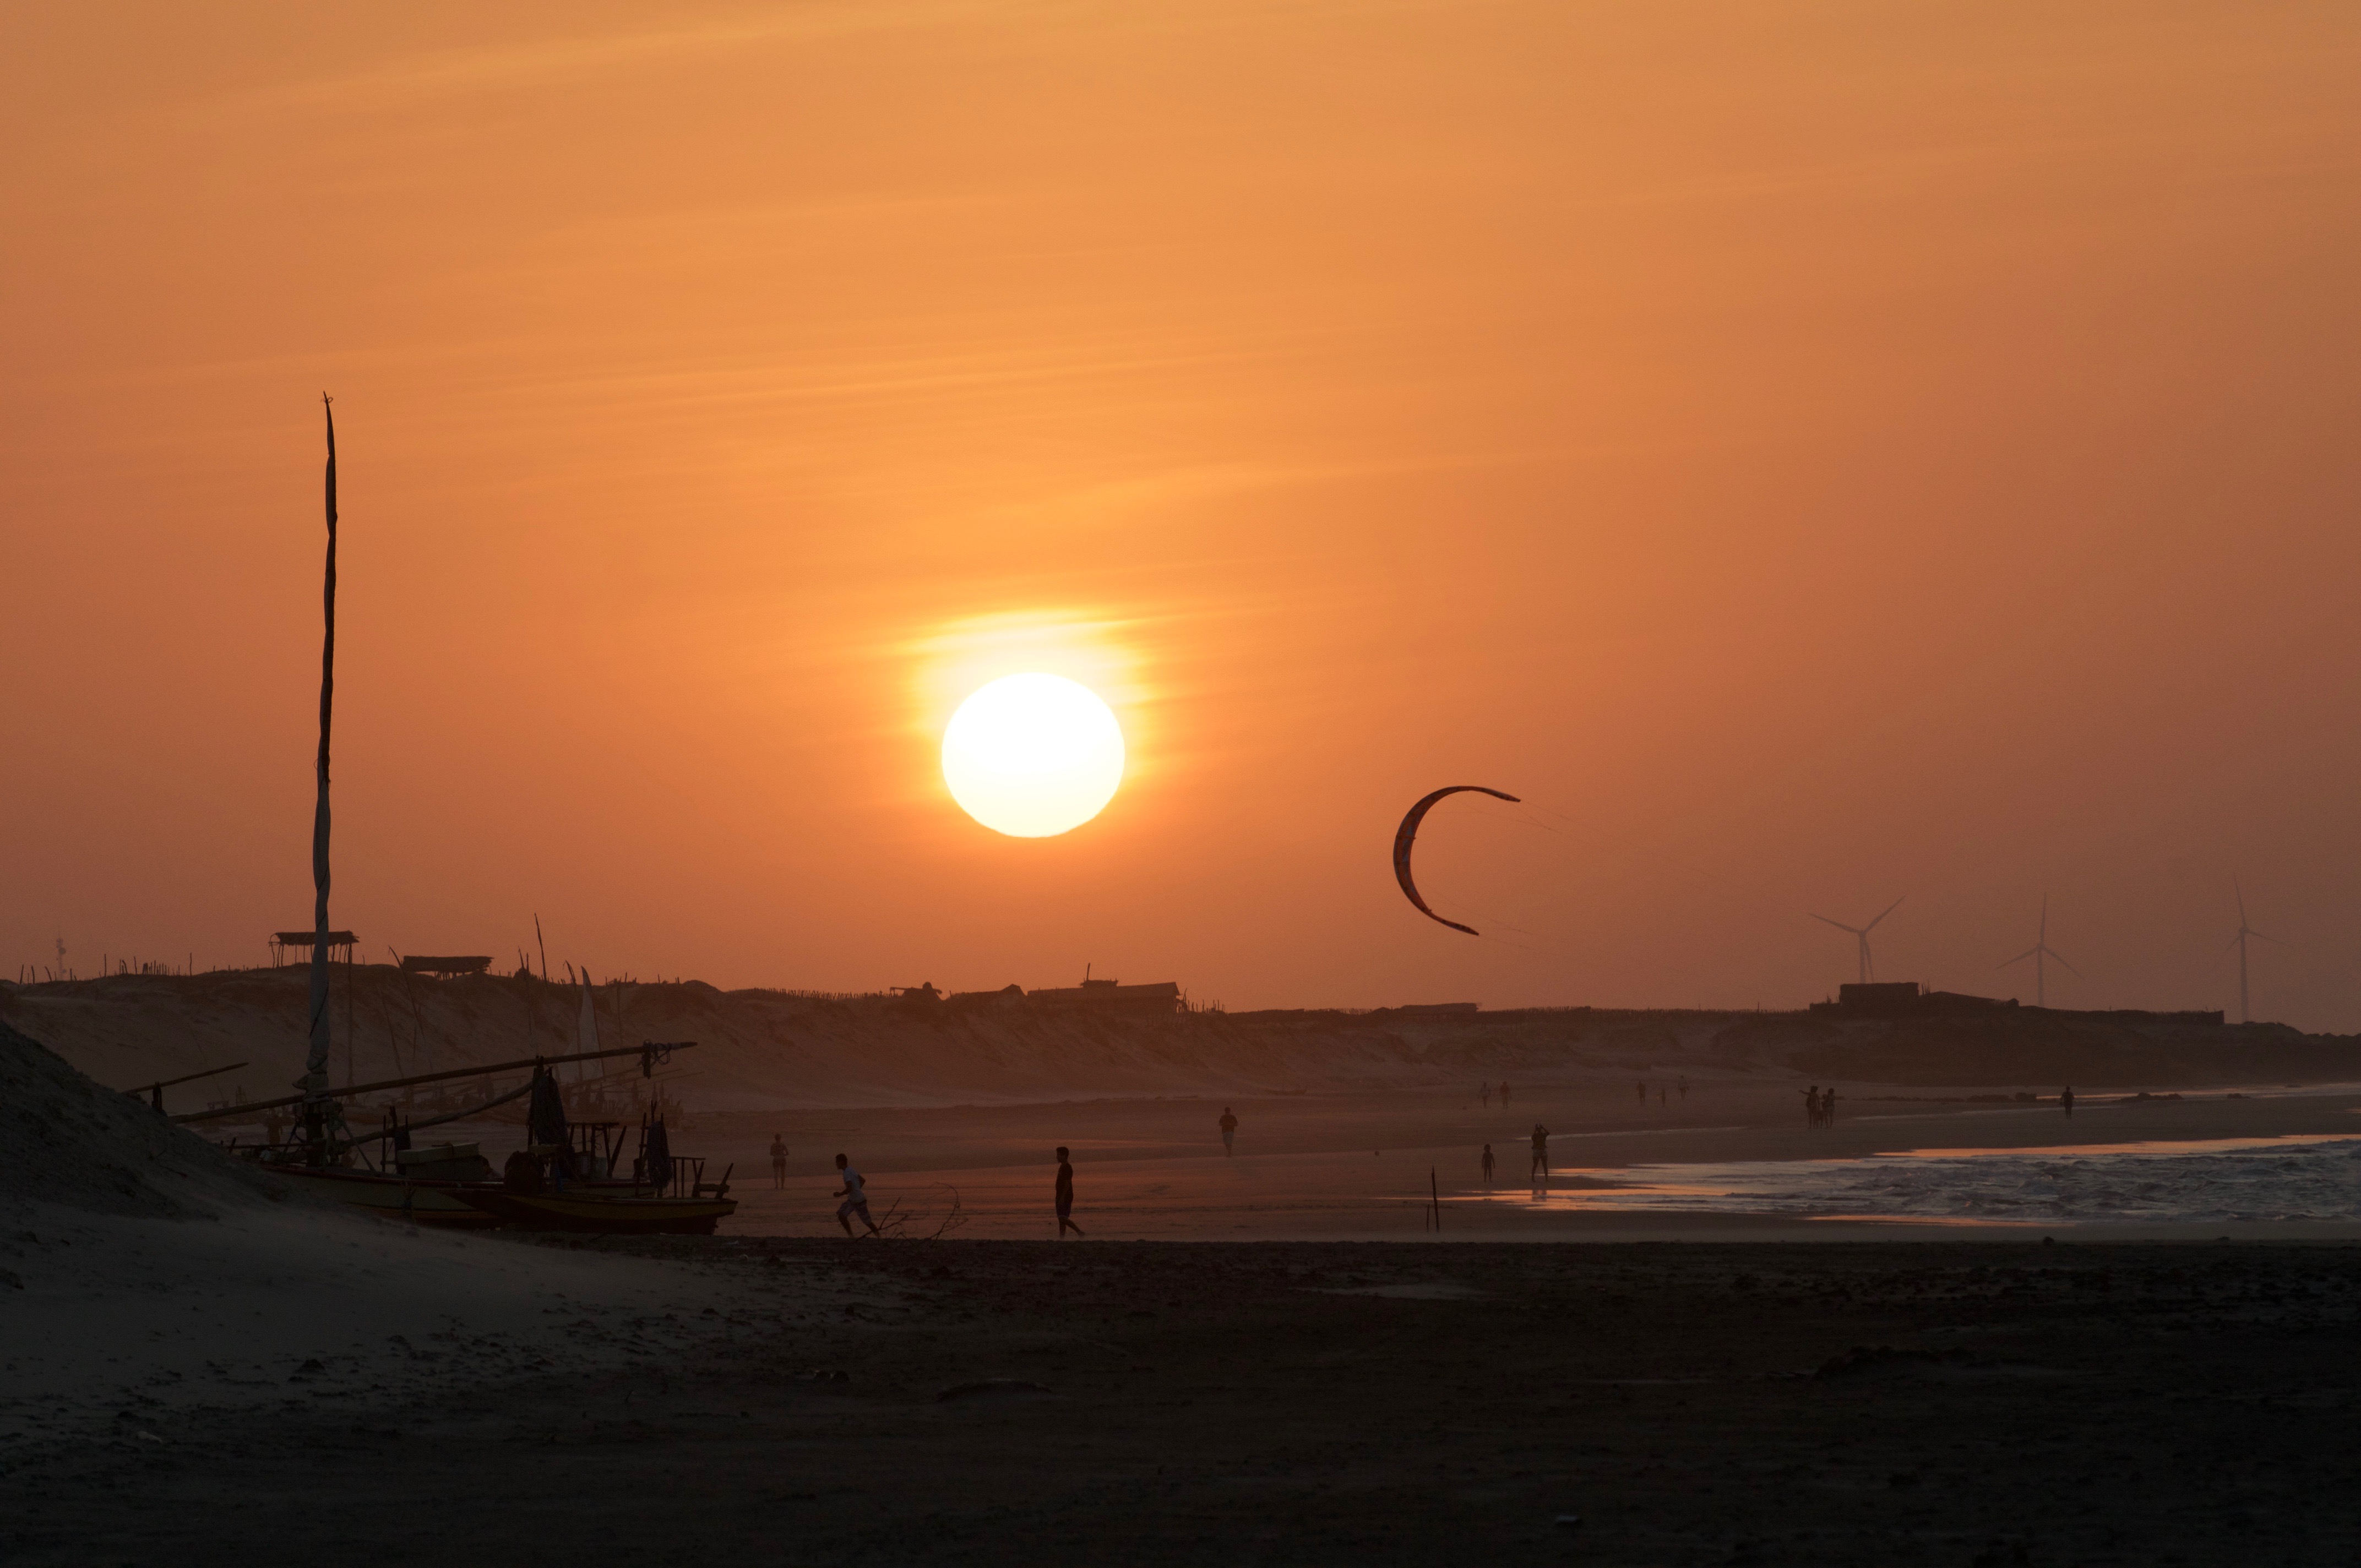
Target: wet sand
(1356, 1167)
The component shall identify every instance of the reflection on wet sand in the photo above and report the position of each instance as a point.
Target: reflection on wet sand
(2284, 1178)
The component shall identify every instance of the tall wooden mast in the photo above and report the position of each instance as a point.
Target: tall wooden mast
(317, 1107)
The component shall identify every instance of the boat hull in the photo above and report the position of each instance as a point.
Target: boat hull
(603, 1214)
(437, 1203)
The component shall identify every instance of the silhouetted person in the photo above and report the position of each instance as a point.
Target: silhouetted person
(1487, 1091)
(2067, 1100)
(778, 1160)
(522, 1174)
(1685, 1089)
(1540, 1155)
(1066, 1196)
(1229, 1131)
(1641, 1090)
(1812, 1106)
(856, 1201)
(1829, 1106)
(1487, 1167)
(1504, 1094)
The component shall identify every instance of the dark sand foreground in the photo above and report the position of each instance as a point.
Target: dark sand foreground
(1290, 1402)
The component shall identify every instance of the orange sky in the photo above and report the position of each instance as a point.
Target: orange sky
(1812, 453)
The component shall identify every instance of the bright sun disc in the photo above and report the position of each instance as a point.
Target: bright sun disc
(1033, 756)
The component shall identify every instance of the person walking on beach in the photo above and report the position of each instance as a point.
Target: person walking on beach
(1685, 1089)
(1229, 1131)
(1487, 1167)
(1066, 1195)
(856, 1201)
(2067, 1100)
(1641, 1089)
(1812, 1106)
(1504, 1094)
(1829, 1106)
(1487, 1091)
(778, 1160)
(1541, 1155)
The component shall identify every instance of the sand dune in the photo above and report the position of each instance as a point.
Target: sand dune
(760, 1049)
(143, 1272)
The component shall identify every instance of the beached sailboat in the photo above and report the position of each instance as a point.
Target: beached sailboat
(448, 1185)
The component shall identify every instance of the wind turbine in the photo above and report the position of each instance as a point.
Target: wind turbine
(1861, 934)
(2041, 952)
(2245, 1014)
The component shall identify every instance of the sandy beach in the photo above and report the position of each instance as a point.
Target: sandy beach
(1265, 1357)
(995, 1402)
(1356, 1166)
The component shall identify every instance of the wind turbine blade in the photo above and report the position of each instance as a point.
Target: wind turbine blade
(1884, 912)
(2233, 941)
(2018, 960)
(2274, 940)
(2078, 973)
(1837, 924)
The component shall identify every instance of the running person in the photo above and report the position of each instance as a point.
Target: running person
(778, 1160)
(1066, 1196)
(856, 1201)
(1229, 1130)
(1540, 1155)
(1487, 1167)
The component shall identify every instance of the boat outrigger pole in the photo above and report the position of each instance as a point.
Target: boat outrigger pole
(319, 1108)
(156, 1091)
(650, 1052)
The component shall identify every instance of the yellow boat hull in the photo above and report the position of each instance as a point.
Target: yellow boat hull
(603, 1214)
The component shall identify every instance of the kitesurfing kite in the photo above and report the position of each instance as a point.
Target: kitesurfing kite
(1407, 834)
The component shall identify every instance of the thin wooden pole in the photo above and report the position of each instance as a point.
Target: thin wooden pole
(318, 1106)
(438, 1077)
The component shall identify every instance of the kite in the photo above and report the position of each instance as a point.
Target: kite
(1405, 835)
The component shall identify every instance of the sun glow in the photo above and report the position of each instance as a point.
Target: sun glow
(1033, 755)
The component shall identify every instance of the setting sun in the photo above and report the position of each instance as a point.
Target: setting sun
(1033, 755)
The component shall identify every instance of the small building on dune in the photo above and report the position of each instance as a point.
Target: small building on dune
(1111, 996)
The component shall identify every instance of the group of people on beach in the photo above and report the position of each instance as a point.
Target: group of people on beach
(855, 1204)
(1540, 1167)
(1819, 1111)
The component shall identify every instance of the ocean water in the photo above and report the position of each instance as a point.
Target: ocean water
(2300, 1178)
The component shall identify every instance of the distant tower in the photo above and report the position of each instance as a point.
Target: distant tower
(2246, 1014)
(2040, 952)
(1860, 936)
